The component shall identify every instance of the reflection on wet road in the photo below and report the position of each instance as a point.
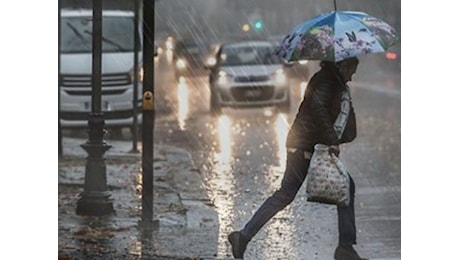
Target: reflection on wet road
(183, 105)
(281, 130)
(222, 182)
(224, 157)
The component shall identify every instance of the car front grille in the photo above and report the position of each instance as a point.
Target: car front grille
(251, 78)
(88, 92)
(107, 115)
(259, 93)
(80, 84)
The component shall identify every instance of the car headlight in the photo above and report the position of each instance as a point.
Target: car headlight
(303, 62)
(224, 78)
(279, 76)
(140, 75)
(169, 43)
(211, 61)
(181, 64)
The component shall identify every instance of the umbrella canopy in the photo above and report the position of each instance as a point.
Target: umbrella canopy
(337, 35)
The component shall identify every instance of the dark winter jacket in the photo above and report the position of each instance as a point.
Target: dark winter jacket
(318, 111)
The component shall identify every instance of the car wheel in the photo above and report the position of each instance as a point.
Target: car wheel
(214, 103)
(285, 107)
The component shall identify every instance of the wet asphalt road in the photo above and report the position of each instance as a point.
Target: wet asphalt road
(242, 156)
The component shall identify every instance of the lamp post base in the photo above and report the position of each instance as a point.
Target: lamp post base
(95, 199)
(94, 204)
(148, 225)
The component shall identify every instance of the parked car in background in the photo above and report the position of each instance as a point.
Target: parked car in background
(248, 74)
(117, 68)
(189, 58)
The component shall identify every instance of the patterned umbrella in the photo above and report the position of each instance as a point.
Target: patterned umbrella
(337, 35)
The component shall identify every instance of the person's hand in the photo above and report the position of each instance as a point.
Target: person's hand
(334, 150)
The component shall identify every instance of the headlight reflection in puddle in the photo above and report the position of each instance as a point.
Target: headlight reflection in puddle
(222, 181)
(169, 56)
(183, 102)
(281, 130)
(225, 140)
(284, 219)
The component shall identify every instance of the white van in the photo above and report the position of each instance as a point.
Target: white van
(117, 68)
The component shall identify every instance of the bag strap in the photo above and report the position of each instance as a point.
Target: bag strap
(342, 117)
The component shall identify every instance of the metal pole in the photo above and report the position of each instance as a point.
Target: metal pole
(60, 150)
(335, 5)
(135, 126)
(148, 113)
(94, 200)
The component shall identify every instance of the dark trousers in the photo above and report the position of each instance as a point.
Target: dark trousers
(294, 175)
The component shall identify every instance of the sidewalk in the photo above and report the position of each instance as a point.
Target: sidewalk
(181, 205)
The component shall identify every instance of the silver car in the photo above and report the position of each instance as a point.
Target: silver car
(248, 74)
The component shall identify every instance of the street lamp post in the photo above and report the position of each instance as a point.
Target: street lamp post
(94, 200)
(148, 113)
(135, 126)
(60, 150)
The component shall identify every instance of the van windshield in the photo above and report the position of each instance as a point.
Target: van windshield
(117, 34)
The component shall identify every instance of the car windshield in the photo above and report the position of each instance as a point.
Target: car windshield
(190, 49)
(117, 34)
(248, 55)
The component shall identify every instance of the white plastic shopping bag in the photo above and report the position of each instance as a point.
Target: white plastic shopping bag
(327, 179)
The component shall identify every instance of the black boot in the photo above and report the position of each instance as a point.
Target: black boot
(346, 253)
(239, 243)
